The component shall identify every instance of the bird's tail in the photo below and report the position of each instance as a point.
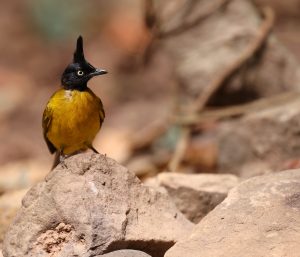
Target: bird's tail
(56, 160)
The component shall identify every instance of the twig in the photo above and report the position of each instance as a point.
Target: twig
(149, 14)
(237, 110)
(179, 150)
(205, 96)
(260, 38)
(152, 25)
(191, 24)
(198, 105)
(185, 133)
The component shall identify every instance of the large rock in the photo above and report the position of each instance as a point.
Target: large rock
(259, 218)
(10, 203)
(257, 143)
(91, 205)
(195, 195)
(125, 253)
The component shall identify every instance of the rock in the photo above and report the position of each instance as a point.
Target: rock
(10, 203)
(260, 217)
(91, 205)
(258, 141)
(203, 38)
(256, 168)
(195, 195)
(125, 253)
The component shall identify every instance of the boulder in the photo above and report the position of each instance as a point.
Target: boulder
(126, 253)
(90, 205)
(10, 203)
(257, 143)
(195, 195)
(260, 217)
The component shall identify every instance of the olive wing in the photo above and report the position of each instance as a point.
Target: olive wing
(101, 112)
(47, 118)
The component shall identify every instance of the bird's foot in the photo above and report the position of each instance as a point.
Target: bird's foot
(62, 159)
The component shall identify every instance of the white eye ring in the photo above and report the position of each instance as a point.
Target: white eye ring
(80, 73)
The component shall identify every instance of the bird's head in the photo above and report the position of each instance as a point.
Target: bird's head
(79, 72)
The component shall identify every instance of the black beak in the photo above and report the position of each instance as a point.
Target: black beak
(98, 72)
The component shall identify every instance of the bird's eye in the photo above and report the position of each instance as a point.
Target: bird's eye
(80, 73)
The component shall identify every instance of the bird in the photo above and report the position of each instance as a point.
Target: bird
(74, 114)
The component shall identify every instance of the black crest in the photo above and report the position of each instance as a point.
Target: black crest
(78, 54)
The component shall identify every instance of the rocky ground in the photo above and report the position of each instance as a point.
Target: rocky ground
(92, 206)
(233, 193)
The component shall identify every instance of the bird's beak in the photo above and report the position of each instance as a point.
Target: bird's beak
(98, 72)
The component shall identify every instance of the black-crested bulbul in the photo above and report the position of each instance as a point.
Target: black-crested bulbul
(74, 114)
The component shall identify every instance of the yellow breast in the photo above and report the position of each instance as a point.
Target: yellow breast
(75, 120)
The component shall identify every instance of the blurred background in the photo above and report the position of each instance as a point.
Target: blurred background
(162, 57)
(37, 44)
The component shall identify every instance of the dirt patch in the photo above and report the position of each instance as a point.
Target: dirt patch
(52, 241)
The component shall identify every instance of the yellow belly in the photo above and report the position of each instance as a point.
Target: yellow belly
(75, 120)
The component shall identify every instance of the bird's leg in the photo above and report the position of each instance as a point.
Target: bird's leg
(93, 149)
(90, 146)
(62, 158)
(56, 160)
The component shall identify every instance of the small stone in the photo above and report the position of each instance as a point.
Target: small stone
(125, 253)
(195, 195)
